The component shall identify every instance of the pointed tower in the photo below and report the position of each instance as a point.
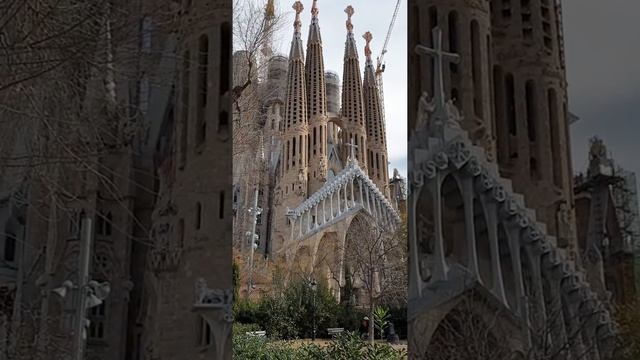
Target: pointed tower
(295, 134)
(352, 105)
(316, 105)
(376, 139)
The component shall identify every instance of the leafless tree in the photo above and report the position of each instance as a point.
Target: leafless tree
(377, 259)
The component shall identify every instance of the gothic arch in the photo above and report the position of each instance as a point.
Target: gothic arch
(471, 327)
(483, 246)
(453, 223)
(506, 266)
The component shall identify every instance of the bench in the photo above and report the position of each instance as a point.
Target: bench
(334, 331)
(257, 333)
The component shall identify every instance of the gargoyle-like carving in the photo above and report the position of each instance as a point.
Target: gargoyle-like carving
(208, 297)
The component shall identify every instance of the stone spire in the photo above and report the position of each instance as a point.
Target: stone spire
(376, 141)
(316, 105)
(296, 97)
(295, 135)
(352, 104)
(296, 44)
(315, 68)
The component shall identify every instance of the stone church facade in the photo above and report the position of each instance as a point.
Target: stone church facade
(492, 209)
(322, 158)
(160, 208)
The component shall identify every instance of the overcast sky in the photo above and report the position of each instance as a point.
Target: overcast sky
(602, 45)
(374, 16)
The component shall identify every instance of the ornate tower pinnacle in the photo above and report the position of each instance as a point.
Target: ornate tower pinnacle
(374, 120)
(350, 11)
(367, 49)
(297, 24)
(270, 10)
(314, 10)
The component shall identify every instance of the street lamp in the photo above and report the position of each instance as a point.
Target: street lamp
(314, 288)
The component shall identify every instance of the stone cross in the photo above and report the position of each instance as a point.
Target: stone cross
(440, 57)
(314, 9)
(352, 152)
(367, 49)
(298, 7)
(349, 10)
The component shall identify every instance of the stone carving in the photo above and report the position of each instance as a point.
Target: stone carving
(211, 297)
(301, 183)
(278, 196)
(322, 169)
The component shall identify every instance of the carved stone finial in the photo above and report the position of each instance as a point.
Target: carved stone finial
(350, 11)
(298, 7)
(314, 9)
(367, 48)
(352, 150)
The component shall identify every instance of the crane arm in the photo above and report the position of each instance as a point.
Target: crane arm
(380, 67)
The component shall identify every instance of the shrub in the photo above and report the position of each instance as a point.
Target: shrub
(346, 346)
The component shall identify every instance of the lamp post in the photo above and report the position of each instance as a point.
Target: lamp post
(314, 287)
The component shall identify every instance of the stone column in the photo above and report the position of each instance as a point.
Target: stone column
(492, 225)
(441, 268)
(470, 230)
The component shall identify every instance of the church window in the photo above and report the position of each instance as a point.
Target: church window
(287, 155)
(221, 205)
(476, 68)
(293, 152)
(203, 70)
(97, 320)
(10, 247)
(185, 108)
(103, 224)
(225, 53)
(531, 103)
(223, 125)
(198, 217)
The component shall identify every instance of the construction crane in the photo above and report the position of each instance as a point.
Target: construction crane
(380, 66)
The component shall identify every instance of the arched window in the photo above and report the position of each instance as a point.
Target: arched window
(225, 54)
(185, 108)
(221, 205)
(198, 216)
(203, 78)
(225, 81)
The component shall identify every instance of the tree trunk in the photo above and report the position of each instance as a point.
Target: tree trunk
(372, 323)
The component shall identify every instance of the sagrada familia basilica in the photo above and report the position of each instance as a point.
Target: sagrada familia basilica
(322, 159)
(492, 225)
